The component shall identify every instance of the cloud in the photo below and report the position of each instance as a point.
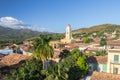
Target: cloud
(18, 24)
(11, 22)
(41, 29)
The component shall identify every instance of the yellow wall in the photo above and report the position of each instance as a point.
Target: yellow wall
(111, 63)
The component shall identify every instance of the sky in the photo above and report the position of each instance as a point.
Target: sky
(54, 15)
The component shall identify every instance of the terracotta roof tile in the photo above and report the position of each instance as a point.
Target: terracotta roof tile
(13, 58)
(1, 56)
(92, 49)
(114, 50)
(113, 43)
(97, 59)
(104, 76)
(102, 59)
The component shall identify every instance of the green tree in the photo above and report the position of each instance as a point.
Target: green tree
(30, 70)
(74, 64)
(64, 54)
(90, 54)
(55, 72)
(42, 49)
(1, 45)
(101, 53)
(70, 68)
(76, 53)
(74, 73)
(82, 64)
(87, 40)
(103, 42)
(99, 34)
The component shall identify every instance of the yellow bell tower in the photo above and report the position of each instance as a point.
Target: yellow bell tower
(68, 32)
(68, 35)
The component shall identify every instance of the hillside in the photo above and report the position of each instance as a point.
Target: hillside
(103, 27)
(8, 34)
(16, 34)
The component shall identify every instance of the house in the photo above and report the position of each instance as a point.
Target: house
(114, 61)
(97, 63)
(12, 61)
(113, 44)
(113, 56)
(93, 50)
(13, 58)
(1, 56)
(25, 50)
(104, 76)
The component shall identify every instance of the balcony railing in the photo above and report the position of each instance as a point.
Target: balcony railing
(114, 62)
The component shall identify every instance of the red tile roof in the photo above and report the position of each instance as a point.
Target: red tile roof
(104, 76)
(113, 43)
(97, 59)
(1, 56)
(13, 58)
(114, 50)
(92, 49)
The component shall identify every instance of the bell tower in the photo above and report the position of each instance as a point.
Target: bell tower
(68, 35)
(68, 32)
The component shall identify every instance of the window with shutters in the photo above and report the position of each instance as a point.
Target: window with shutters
(116, 58)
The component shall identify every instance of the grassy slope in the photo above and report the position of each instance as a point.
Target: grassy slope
(97, 28)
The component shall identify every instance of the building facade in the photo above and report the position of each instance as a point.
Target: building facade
(113, 48)
(68, 35)
(113, 61)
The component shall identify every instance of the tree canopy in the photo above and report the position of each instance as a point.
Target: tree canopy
(30, 70)
(42, 49)
(103, 42)
(87, 40)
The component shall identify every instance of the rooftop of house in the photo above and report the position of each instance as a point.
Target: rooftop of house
(81, 44)
(97, 39)
(113, 42)
(25, 48)
(13, 59)
(104, 76)
(97, 59)
(114, 50)
(92, 49)
(1, 56)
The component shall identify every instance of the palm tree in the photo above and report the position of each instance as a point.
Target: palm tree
(42, 49)
(55, 72)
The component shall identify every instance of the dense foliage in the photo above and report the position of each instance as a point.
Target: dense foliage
(87, 40)
(103, 42)
(73, 67)
(64, 54)
(42, 49)
(101, 53)
(30, 70)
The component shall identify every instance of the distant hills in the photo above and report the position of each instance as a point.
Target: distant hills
(21, 34)
(98, 28)
(17, 34)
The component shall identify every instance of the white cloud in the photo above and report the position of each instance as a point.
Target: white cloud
(41, 29)
(11, 22)
(18, 24)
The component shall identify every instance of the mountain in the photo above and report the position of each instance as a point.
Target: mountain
(98, 28)
(7, 34)
(17, 34)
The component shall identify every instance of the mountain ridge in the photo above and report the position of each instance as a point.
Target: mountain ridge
(95, 28)
(16, 34)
